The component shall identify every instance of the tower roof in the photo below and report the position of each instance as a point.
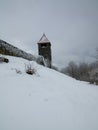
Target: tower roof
(44, 39)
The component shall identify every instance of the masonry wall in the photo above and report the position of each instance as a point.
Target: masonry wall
(45, 51)
(8, 49)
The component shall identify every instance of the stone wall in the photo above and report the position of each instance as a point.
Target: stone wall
(8, 49)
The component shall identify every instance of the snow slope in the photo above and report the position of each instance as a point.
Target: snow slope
(47, 100)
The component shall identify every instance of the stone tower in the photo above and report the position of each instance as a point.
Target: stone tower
(44, 49)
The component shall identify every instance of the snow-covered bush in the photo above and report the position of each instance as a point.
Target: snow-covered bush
(30, 69)
(40, 60)
(3, 59)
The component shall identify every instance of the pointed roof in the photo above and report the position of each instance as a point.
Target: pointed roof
(44, 39)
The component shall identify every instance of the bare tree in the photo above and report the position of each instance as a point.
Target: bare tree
(71, 70)
(83, 71)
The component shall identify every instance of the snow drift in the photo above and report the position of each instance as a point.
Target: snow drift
(47, 100)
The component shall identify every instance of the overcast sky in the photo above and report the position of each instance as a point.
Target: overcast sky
(70, 25)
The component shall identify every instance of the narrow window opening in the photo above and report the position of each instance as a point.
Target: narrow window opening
(44, 45)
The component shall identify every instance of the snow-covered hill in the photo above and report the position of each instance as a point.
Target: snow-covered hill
(47, 100)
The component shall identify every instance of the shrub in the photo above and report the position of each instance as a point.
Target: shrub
(2, 59)
(29, 69)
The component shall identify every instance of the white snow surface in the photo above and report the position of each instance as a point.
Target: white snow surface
(47, 100)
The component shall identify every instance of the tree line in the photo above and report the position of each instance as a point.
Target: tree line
(83, 71)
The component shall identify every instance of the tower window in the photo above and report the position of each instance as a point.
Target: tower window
(43, 45)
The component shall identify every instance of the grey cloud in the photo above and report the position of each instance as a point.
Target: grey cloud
(70, 25)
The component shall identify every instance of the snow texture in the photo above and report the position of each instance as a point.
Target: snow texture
(47, 100)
